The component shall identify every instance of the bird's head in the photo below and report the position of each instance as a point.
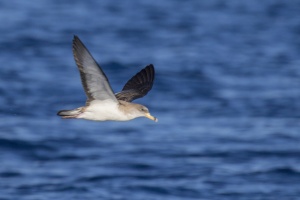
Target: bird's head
(142, 111)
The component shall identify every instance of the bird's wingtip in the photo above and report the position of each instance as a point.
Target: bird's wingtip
(150, 65)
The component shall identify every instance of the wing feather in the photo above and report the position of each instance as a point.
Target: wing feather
(93, 79)
(138, 86)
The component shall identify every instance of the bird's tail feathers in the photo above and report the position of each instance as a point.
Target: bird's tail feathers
(70, 113)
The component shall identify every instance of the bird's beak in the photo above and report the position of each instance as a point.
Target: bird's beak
(149, 116)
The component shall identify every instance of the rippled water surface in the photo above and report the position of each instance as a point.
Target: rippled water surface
(227, 95)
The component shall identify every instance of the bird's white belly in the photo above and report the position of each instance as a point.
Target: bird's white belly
(102, 111)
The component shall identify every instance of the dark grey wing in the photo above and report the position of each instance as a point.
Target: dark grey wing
(93, 79)
(138, 86)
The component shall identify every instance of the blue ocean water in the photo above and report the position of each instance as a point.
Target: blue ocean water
(226, 93)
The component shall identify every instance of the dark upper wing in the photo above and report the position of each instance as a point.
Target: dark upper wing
(94, 81)
(138, 86)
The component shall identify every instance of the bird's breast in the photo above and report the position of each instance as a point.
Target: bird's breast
(103, 110)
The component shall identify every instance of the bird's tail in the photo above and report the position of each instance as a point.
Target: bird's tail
(70, 113)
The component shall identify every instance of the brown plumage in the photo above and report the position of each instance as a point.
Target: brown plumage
(138, 86)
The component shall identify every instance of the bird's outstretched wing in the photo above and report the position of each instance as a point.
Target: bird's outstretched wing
(93, 79)
(138, 86)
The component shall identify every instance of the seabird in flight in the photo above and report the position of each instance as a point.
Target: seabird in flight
(102, 104)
